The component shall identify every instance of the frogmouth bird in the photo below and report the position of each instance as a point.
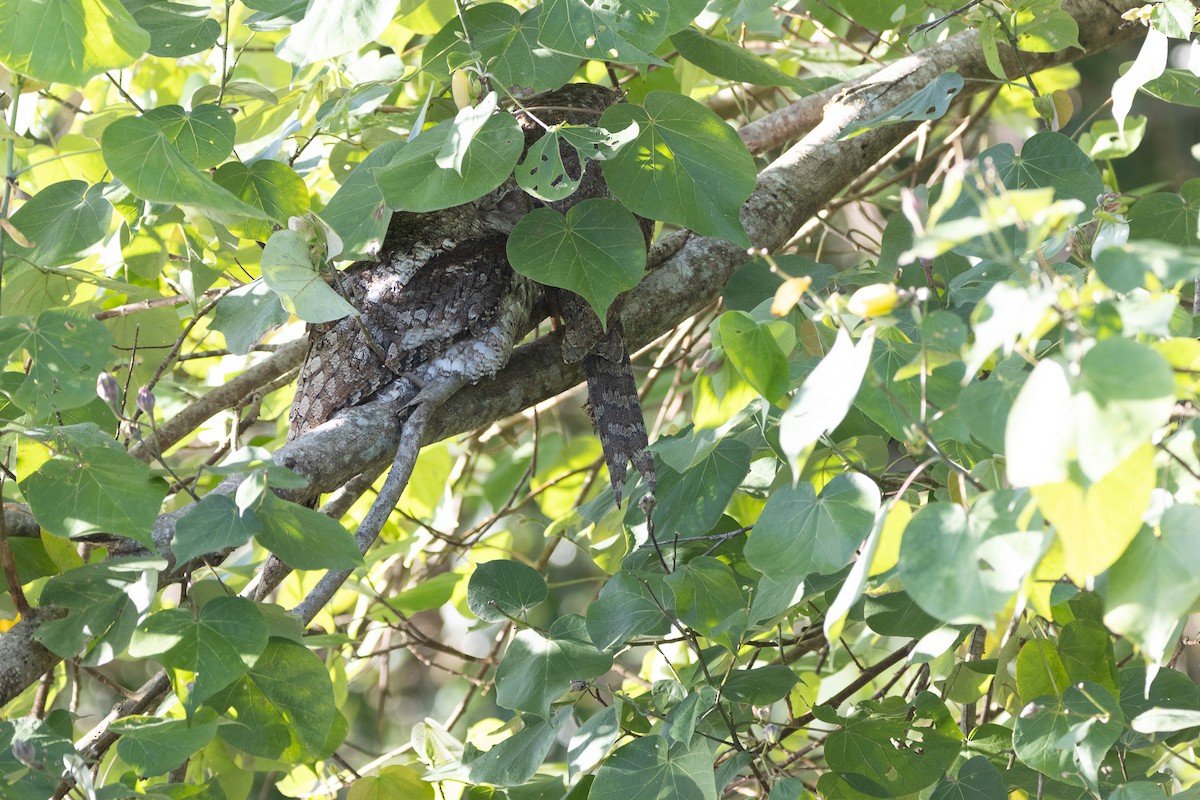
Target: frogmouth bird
(441, 306)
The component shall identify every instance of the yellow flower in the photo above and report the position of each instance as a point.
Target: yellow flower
(874, 300)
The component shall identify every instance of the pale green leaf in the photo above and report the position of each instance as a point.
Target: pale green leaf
(605, 30)
(287, 268)
(687, 166)
(145, 159)
(822, 401)
(333, 27)
(66, 352)
(800, 532)
(68, 41)
(413, 181)
(305, 539)
(537, 670)
(204, 135)
(62, 222)
(101, 490)
(1152, 586)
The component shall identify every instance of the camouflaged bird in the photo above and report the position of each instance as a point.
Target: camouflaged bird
(442, 303)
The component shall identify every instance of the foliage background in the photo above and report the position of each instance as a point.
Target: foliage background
(927, 511)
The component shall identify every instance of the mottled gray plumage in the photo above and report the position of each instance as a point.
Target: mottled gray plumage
(442, 304)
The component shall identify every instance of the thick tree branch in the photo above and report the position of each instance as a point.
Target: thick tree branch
(793, 188)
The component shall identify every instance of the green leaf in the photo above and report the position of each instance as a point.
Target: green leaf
(691, 503)
(333, 27)
(728, 60)
(1178, 86)
(1104, 141)
(102, 490)
(865, 754)
(964, 568)
(1069, 737)
(1167, 217)
(708, 597)
(143, 157)
(799, 533)
(413, 180)
(1165, 720)
(597, 250)
(687, 166)
(1152, 586)
(760, 686)
(176, 29)
(537, 670)
(246, 313)
(1049, 159)
(66, 352)
(288, 269)
(985, 405)
(977, 780)
(305, 539)
(432, 593)
(825, 397)
(895, 614)
(203, 136)
(62, 222)
(1087, 653)
(68, 41)
(625, 608)
(755, 353)
(515, 760)
(650, 768)
(391, 782)
(104, 602)
(930, 102)
(271, 186)
(154, 746)
(1125, 267)
(283, 706)
(504, 39)
(212, 525)
(1127, 392)
(1040, 670)
(215, 647)
(1043, 26)
(591, 742)
(356, 212)
(605, 30)
(501, 590)
(41, 745)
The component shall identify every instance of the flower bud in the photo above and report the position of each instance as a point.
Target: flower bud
(460, 88)
(874, 300)
(108, 390)
(145, 400)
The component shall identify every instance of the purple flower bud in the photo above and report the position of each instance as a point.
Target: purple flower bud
(108, 390)
(145, 400)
